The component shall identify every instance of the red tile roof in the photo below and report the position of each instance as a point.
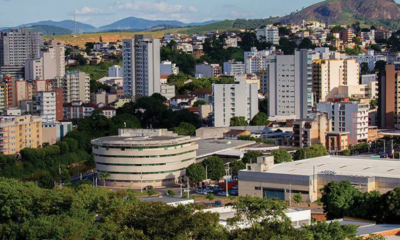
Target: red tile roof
(183, 97)
(202, 91)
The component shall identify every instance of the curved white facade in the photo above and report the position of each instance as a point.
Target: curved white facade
(137, 161)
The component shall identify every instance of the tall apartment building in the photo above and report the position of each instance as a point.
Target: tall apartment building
(234, 68)
(268, 34)
(141, 64)
(19, 45)
(50, 65)
(346, 35)
(389, 98)
(349, 117)
(288, 81)
(49, 105)
(19, 132)
(370, 58)
(308, 132)
(16, 47)
(234, 100)
(168, 68)
(76, 86)
(207, 70)
(3, 96)
(330, 74)
(115, 71)
(255, 60)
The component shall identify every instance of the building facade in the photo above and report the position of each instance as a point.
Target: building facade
(19, 132)
(389, 98)
(337, 141)
(349, 117)
(49, 105)
(115, 71)
(76, 86)
(206, 70)
(268, 34)
(308, 132)
(142, 157)
(141, 66)
(234, 100)
(234, 68)
(168, 68)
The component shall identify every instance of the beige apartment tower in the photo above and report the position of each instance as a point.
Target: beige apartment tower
(76, 87)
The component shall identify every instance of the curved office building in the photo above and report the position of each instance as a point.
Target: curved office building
(142, 157)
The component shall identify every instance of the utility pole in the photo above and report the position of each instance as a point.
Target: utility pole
(392, 149)
(188, 187)
(206, 172)
(226, 181)
(290, 195)
(384, 148)
(181, 190)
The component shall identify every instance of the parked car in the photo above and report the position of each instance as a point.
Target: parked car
(218, 203)
(235, 187)
(218, 189)
(148, 188)
(233, 192)
(222, 193)
(200, 191)
(185, 190)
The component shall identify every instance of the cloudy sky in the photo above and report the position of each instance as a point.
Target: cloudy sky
(103, 12)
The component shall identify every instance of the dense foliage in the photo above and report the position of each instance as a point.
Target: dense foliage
(342, 199)
(184, 61)
(260, 119)
(281, 155)
(310, 152)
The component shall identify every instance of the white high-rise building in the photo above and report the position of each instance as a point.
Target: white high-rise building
(141, 66)
(288, 82)
(234, 100)
(349, 117)
(76, 87)
(234, 68)
(268, 34)
(255, 60)
(115, 71)
(45, 106)
(19, 45)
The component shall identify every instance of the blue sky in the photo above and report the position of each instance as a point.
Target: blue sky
(102, 12)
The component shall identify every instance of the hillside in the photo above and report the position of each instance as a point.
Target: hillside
(221, 26)
(140, 23)
(380, 12)
(68, 24)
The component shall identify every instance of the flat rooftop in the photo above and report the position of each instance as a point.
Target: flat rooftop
(167, 200)
(210, 147)
(346, 166)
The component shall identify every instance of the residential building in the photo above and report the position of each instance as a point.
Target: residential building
(346, 35)
(389, 98)
(349, 117)
(168, 68)
(166, 156)
(115, 71)
(19, 45)
(234, 68)
(203, 94)
(102, 97)
(368, 78)
(49, 105)
(337, 141)
(141, 64)
(54, 132)
(234, 100)
(234, 134)
(181, 101)
(268, 34)
(120, 102)
(289, 85)
(330, 74)
(80, 110)
(3, 96)
(255, 60)
(167, 91)
(307, 177)
(308, 132)
(370, 58)
(76, 86)
(19, 132)
(206, 70)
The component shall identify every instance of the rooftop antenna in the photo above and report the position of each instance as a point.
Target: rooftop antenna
(75, 24)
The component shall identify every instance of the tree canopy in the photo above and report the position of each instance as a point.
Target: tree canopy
(260, 119)
(238, 121)
(215, 168)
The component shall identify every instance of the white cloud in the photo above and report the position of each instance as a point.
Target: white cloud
(93, 11)
(153, 7)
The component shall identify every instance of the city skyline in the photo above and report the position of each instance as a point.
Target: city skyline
(103, 12)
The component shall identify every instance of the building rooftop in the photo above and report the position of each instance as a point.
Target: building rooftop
(168, 200)
(210, 147)
(202, 91)
(337, 133)
(143, 141)
(340, 165)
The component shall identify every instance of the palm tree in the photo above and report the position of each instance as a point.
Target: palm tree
(104, 176)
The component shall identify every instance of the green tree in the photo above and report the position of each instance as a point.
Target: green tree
(297, 198)
(337, 28)
(215, 168)
(236, 166)
(199, 102)
(171, 193)
(346, 152)
(373, 104)
(261, 119)
(196, 172)
(338, 199)
(238, 121)
(46, 180)
(333, 230)
(380, 66)
(364, 68)
(251, 156)
(263, 106)
(81, 60)
(306, 44)
(65, 176)
(104, 176)
(356, 40)
(281, 155)
(185, 129)
(151, 192)
(210, 196)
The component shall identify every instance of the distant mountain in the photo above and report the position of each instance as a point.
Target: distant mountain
(140, 23)
(67, 24)
(384, 12)
(45, 29)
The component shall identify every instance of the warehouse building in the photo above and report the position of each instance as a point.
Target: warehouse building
(282, 181)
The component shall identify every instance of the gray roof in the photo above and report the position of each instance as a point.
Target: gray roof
(164, 199)
(210, 147)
